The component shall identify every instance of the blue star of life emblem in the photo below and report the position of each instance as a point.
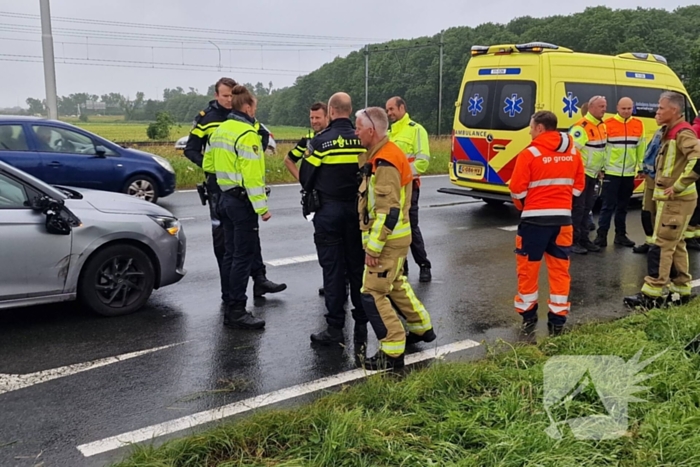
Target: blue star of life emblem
(514, 105)
(570, 104)
(476, 105)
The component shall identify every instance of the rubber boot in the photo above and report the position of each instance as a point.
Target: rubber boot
(425, 275)
(427, 336)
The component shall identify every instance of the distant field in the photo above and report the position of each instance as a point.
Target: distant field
(188, 175)
(117, 130)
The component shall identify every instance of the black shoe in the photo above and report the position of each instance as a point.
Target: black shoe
(643, 301)
(579, 250)
(602, 239)
(591, 227)
(621, 239)
(329, 336)
(425, 275)
(528, 326)
(588, 245)
(382, 361)
(427, 336)
(237, 317)
(555, 329)
(641, 249)
(692, 244)
(264, 285)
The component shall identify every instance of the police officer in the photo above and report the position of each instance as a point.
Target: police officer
(412, 139)
(329, 176)
(236, 156)
(318, 118)
(206, 122)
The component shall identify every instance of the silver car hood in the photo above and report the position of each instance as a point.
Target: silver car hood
(118, 203)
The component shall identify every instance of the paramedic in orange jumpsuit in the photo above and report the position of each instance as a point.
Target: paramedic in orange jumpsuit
(547, 175)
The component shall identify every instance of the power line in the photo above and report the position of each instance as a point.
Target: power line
(26, 29)
(99, 60)
(166, 47)
(175, 67)
(187, 28)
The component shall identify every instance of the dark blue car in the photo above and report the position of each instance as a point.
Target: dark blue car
(62, 154)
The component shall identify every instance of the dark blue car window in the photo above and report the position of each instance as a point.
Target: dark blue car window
(12, 138)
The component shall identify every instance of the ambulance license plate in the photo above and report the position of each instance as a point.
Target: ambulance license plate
(471, 171)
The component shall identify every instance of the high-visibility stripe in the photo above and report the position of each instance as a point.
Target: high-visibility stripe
(313, 160)
(559, 299)
(577, 192)
(208, 125)
(229, 176)
(197, 132)
(564, 145)
(256, 191)
(334, 151)
(558, 310)
(333, 159)
(651, 291)
(546, 212)
(424, 157)
(531, 297)
(535, 152)
(218, 144)
(520, 195)
(684, 289)
(250, 155)
(393, 349)
(551, 182)
(260, 204)
(523, 305)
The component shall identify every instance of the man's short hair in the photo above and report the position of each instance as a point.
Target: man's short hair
(400, 102)
(593, 99)
(319, 106)
(341, 103)
(545, 118)
(676, 100)
(226, 82)
(375, 117)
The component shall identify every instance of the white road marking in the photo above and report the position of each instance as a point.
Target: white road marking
(292, 260)
(510, 228)
(186, 191)
(695, 283)
(187, 218)
(9, 383)
(212, 415)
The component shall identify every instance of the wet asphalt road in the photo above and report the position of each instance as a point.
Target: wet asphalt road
(470, 298)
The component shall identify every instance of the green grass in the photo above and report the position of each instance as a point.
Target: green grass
(188, 175)
(117, 130)
(485, 413)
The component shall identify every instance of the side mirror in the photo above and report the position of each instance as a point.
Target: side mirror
(100, 150)
(57, 225)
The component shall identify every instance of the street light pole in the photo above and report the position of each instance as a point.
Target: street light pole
(442, 48)
(217, 48)
(49, 65)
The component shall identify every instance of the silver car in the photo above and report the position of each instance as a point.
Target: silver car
(107, 250)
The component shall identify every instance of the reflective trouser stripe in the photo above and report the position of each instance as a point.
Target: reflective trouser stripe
(683, 289)
(378, 295)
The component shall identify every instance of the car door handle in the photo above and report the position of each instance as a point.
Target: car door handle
(55, 164)
(499, 147)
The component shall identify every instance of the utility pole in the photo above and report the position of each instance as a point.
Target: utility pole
(366, 75)
(217, 48)
(442, 47)
(49, 65)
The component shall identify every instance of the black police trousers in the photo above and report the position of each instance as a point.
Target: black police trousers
(339, 246)
(242, 247)
(417, 244)
(217, 234)
(582, 205)
(617, 192)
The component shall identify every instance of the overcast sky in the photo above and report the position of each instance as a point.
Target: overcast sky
(102, 57)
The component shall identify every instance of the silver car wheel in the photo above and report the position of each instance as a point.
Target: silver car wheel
(142, 189)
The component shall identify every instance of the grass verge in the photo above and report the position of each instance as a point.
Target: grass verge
(485, 413)
(188, 175)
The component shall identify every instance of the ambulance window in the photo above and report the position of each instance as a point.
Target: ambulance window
(498, 104)
(646, 100)
(475, 111)
(515, 106)
(582, 92)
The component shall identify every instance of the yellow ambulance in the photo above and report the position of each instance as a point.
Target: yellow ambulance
(504, 85)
